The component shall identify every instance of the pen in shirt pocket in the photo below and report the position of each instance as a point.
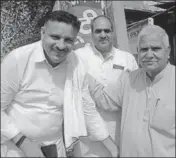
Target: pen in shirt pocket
(157, 101)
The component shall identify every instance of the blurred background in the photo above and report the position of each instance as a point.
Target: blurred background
(20, 20)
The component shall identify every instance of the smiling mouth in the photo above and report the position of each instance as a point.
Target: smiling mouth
(104, 41)
(61, 55)
(149, 62)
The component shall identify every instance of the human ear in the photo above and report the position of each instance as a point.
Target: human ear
(42, 31)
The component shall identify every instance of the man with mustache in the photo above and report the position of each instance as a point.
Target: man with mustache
(104, 63)
(42, 86)
(147, 99)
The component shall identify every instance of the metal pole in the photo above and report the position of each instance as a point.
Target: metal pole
(120, 25)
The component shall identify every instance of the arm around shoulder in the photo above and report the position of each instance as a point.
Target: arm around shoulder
(96, 127)
(95, 124)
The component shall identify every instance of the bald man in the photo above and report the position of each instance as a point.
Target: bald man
(147, 99)
(104, 63)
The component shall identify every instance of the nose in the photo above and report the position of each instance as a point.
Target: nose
(60, 45)
(149, 53)
(103, 34)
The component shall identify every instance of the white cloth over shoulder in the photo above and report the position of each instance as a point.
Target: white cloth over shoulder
(74, 121)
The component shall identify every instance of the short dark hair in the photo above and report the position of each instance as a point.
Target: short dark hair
(61, 16)
(100, 16)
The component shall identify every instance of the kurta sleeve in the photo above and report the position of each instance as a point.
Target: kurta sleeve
(108, 97)
(104, 96)
(115, 93)
(95, 124)
(9, 88)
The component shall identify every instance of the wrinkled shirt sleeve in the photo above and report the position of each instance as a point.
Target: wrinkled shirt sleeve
(108, 97)
(95, 124)
(114, 93)
(9, 87)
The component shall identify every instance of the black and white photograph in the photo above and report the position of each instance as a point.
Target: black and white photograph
(88, 78)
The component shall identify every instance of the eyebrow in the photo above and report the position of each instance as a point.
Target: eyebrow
(104, 29)
(58, 36)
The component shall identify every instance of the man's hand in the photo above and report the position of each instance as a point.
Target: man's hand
(111, 146)
(31, 149)
(115, 153)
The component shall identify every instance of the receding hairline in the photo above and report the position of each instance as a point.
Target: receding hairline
(61, 16)
(98, 17)
(154, 30)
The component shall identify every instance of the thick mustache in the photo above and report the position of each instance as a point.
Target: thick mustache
(148, 61)
(103, 39)
(60, 50)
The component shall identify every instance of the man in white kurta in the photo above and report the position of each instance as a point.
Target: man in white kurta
(147, 99)
(105, 67)
(32, 92)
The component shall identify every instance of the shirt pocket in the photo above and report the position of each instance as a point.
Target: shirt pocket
(163, 117)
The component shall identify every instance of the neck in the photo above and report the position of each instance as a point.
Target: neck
(104, 53)
(153, 74)
(54, 64)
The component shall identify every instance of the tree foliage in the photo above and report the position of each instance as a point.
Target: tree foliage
(19, 22)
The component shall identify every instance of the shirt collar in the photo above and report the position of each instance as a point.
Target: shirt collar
(159, 76)
(110, 55)
(40, 56)
(39, 53)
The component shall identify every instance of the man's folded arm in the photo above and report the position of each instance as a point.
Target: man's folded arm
(9, 88)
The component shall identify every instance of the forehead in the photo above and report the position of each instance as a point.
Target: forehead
(60, 28)
(151, 40)
(101, 23)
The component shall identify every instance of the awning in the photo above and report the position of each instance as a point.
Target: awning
(166, 4)
(138, 14)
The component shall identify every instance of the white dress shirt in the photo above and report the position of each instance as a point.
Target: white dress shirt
(32, 98)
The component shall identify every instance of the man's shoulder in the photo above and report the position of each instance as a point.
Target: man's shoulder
(132, 76)
(123, 54)
(172, 69)
(84, 52)
(24, 51)
(81, 50)
(172, 66)
(125, 59)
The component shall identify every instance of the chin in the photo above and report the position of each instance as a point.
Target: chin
(105, 48)
(61, 60)
(150, 68)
